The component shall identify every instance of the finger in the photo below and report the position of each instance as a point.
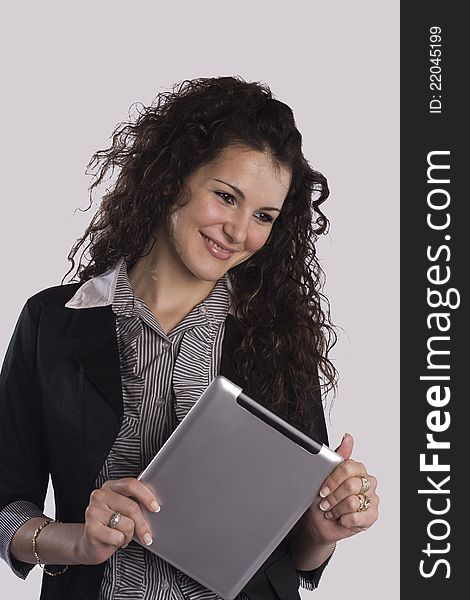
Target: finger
(349, 487)
(346, 447)
(361, 520)
(105, 501)
(133, 488)
(131, 509)
(97, 531)
(103, 534)
(349, 513)
(345, 470)
(125, 526)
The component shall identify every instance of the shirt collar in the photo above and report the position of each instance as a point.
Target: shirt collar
(216, 305)
(97, 291)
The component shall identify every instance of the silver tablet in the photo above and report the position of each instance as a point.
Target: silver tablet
(232, 480)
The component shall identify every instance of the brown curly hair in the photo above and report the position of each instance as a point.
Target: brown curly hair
(276, 294)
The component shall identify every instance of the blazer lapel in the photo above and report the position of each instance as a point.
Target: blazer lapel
(99, 356)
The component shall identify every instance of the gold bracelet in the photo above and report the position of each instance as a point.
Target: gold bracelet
(35, 550)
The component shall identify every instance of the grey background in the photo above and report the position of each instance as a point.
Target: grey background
(73, 72)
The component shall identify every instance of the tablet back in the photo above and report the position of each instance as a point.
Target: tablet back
(232, 480)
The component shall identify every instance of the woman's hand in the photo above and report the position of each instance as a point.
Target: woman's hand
(99, 541)
(344, 507)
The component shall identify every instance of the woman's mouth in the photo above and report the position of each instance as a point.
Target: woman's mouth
(216, 250)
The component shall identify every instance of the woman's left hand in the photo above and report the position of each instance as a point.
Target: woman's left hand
(348, 503)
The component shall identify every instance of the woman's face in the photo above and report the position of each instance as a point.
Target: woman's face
(228, 213)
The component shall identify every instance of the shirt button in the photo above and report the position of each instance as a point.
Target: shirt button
(165, 585)
(166, 345)
(203, 310)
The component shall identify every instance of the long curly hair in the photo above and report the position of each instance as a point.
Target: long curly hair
(277, 295)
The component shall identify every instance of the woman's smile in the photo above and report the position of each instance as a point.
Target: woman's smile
(216, 249)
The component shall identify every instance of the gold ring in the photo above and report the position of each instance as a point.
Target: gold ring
(114, 520)
(364, 502)
(365, 486)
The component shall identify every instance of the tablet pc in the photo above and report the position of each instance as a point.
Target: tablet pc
(232, 480)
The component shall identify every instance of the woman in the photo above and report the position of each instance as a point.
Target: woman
(201, 260)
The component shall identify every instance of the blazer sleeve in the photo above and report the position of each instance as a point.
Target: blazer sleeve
(24, 472)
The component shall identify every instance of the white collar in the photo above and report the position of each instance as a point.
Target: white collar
(97, 291)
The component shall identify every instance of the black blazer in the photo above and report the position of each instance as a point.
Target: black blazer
(60, 412)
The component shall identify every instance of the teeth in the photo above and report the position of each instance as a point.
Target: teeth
(216, 245)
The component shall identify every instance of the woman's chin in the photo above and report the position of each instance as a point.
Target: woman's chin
(208, 273)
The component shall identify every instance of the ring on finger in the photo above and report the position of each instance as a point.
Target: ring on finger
(114, 520)
(365, 485)
(364, 502)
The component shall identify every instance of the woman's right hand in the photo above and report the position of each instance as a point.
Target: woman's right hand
(99, 541)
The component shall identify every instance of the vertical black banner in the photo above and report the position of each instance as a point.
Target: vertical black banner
(435, 235)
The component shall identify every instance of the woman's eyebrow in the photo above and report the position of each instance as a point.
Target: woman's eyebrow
(238, 191)
(242, 195)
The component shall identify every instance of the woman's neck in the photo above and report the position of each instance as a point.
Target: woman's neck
(166, 286)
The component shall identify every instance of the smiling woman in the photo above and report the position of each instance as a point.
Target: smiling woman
(200, 261)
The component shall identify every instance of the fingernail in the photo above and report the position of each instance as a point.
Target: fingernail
(148, 539)
(328, 515)
(324, 492)
(155, 506)
(325, 505)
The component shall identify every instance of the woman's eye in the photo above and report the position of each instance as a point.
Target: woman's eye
(264, 217)
(226, 197)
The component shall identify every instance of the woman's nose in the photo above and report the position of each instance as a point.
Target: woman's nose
(236, 228)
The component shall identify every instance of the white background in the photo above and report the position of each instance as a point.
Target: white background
(72, 74)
